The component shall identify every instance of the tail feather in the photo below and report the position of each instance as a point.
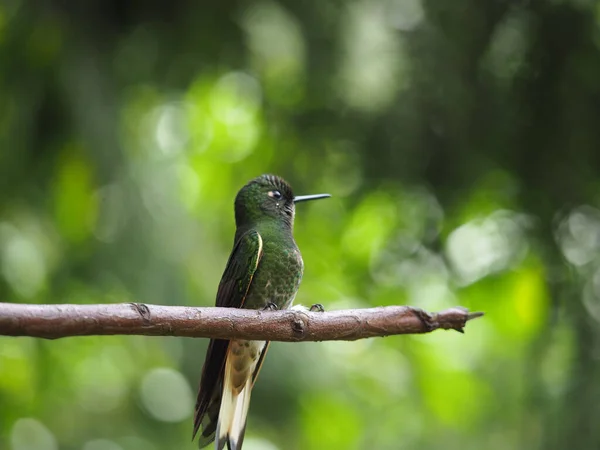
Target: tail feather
(238, 424)
(238, 380)
(232, 419)
(223, 417)
(208, 424)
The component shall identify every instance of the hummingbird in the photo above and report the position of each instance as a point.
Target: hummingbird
(264, 271)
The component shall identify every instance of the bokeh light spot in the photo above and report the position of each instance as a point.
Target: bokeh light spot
(23, 265)
(278, 50)
(31, 434)
(166, 395)
(488, 245)
(579, 235)
(102, 372)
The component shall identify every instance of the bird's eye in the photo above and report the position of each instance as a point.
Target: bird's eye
(275, 194)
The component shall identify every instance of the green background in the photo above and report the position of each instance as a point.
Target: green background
(460, 141)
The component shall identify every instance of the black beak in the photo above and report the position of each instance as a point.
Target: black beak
(305, 198)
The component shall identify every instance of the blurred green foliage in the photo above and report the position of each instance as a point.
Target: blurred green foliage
(459, 140)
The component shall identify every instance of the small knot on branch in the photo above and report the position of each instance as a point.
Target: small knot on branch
(427, 320)
(143, 311)
(298, 326)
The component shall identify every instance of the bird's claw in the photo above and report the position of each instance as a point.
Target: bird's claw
(317, 307)
(270, 307)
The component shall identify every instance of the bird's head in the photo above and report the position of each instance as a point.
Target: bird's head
(268, 197)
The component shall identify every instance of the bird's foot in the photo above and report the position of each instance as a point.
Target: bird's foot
(270, 307)
(317, 307)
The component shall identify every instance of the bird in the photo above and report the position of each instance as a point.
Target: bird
(263, 272)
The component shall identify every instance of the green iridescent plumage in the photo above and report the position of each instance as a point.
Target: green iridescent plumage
(264, 270)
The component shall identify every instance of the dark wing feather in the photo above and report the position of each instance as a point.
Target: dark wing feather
(260, 362)
(232, 292)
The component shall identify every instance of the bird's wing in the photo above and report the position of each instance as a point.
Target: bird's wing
(260, 362)
(232, 291)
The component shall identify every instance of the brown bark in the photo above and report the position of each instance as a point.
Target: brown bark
(58, 321)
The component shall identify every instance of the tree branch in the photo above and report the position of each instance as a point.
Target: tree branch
(58, 321)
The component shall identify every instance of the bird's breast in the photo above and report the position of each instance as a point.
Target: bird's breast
(277, 277)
